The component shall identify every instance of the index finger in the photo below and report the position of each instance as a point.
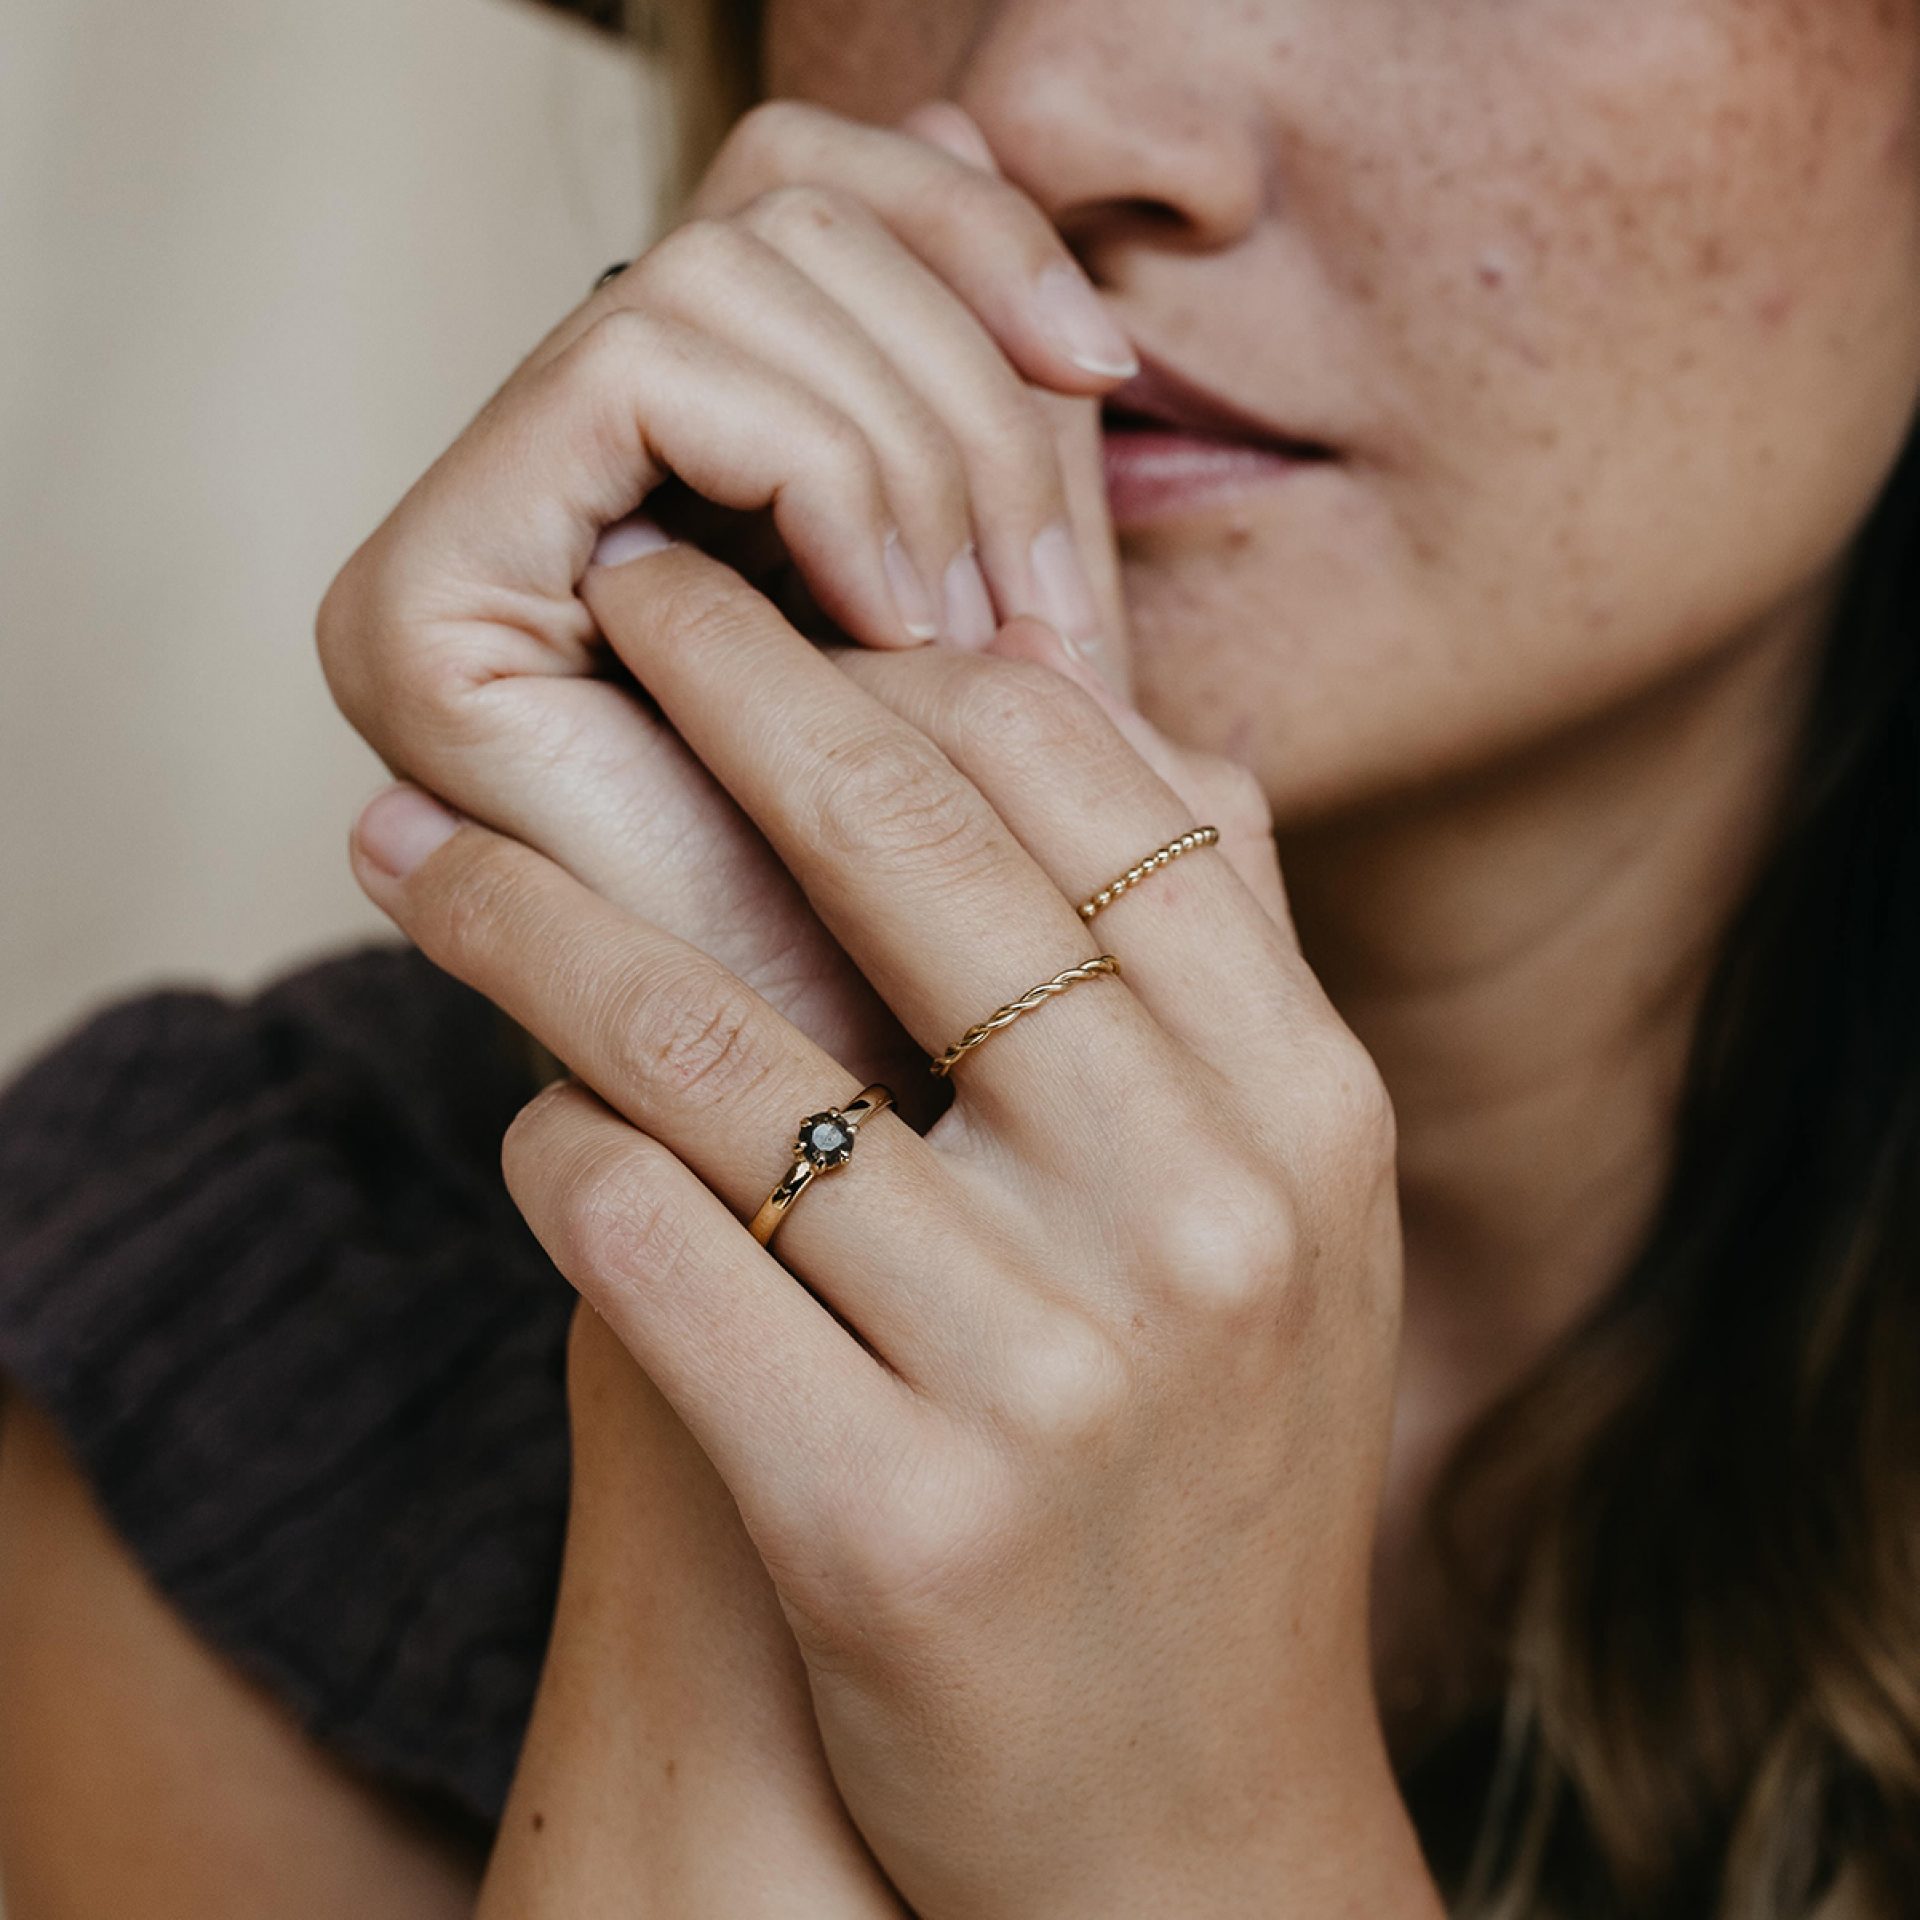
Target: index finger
(990, 242)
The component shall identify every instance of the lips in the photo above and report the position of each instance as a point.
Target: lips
(1157, 399)
(1174, 450)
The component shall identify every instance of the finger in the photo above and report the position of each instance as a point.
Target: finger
(756, 1368)
(575, 765)
(1077, 430)
(700, 1064)
(911, 870)
(522, 497)
(733, 282)
(1215, 790)
(979, 233)
(1004, 443)
(1206, 957)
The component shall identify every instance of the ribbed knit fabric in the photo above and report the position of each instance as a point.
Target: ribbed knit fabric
(258, 1263)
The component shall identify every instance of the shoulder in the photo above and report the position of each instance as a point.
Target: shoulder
(258, 1265)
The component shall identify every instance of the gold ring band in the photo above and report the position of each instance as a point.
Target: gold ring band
(1034, 997)
(1160, 857)
(822, 1143)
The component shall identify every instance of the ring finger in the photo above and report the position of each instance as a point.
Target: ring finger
(700, 1064)
(904, 859)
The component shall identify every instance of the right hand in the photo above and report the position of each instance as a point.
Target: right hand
(846, 336)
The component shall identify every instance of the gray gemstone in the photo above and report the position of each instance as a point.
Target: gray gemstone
(827, 1137)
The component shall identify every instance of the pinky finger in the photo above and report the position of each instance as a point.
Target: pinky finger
(766, 1379)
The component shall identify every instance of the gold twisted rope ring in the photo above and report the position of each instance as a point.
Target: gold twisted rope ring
(1160, 857)
(1007, 1015)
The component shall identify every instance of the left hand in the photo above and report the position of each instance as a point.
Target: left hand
(1064, 1455)
(673, 1763)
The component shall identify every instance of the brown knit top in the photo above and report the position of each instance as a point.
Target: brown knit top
(258, 1263)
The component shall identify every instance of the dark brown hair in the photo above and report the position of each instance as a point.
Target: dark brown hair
(1712, 1602)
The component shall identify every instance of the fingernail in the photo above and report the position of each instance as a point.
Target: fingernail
(1087, 333)
(629, 539)
(397, 829)
(910, 593)
(970, 621)
(1064, 591)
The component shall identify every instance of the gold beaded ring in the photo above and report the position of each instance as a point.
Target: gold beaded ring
(1007, 1015)
(1160, 857)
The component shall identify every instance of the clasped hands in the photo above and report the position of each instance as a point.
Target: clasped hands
(1055, 1421)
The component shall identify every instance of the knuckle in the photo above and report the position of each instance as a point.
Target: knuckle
(467, 900)
(360, 641)
(699, 252)
(838, 444)
(929, 462)
(712, 608)
(895, 797)
(337, 624)
(958, 205)
(605, 352)
(1020, 713)
(1222, 1244)
(339, 635)
(796, 208)
(617, 1219)
(693, 1031)
(1014, 449)
(1066, 1387)
(767, 135)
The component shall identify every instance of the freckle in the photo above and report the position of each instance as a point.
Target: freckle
(1239, 535)
(672, 1766)
(1773, 308)
(539, 1823)
(1712, 257)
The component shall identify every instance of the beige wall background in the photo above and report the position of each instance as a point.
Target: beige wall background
(263, 260)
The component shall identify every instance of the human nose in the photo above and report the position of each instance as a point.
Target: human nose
(1114, 114)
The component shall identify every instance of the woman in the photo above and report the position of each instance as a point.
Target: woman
(1399, 1397)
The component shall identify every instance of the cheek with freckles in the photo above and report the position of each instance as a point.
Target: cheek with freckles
(1638, 284)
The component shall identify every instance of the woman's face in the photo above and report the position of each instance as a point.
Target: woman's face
(1610, 308)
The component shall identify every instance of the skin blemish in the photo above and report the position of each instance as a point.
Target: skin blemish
(1713, 257)
(539, 1823)
(1493, 270)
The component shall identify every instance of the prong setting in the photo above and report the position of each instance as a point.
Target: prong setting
(824, 1140)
